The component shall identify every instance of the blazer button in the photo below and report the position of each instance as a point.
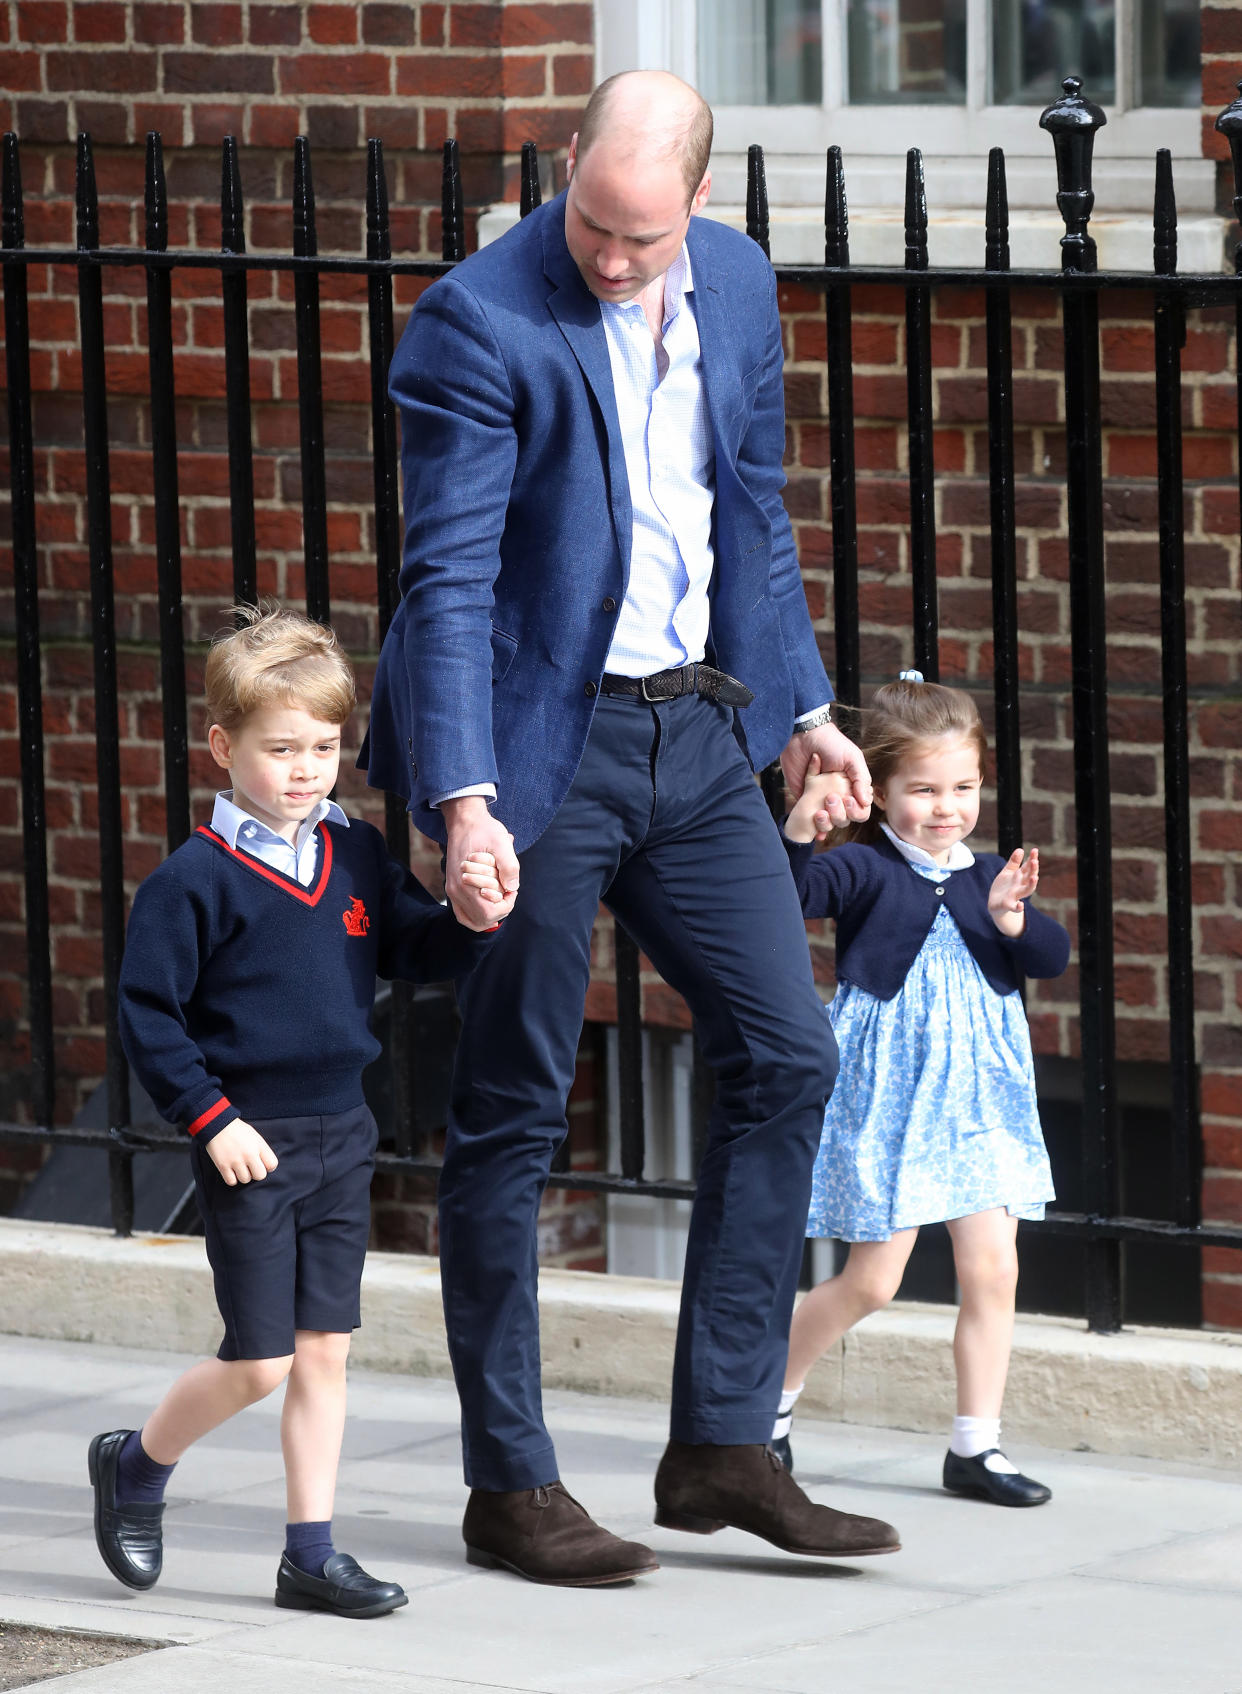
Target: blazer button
(590, 691)
(610, 605)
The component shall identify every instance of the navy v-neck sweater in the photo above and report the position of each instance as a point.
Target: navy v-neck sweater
(243, 994)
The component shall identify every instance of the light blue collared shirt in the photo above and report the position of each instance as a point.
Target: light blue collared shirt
(297, 858)
(670, 459)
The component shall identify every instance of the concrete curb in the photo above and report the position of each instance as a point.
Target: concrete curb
(1165, 1394)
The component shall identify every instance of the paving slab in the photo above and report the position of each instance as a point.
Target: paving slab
(1128, 1580)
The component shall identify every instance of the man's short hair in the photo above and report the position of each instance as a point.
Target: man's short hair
(277, 658)
(689, 143)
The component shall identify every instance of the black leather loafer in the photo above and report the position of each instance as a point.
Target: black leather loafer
(1002, 1488)
(130, 1538)
(344, 1588)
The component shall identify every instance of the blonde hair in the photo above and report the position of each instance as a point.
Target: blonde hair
(277, 658)
(904, 719)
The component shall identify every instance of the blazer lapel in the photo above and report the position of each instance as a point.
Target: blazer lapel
(718, 348)
(577, 315)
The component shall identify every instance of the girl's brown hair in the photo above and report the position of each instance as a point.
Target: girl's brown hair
(905, 718)
(277, 658)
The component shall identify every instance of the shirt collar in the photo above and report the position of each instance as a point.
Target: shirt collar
(230, 821)
(960, 856)
(678, 282)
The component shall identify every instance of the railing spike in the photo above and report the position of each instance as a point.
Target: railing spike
(1229, 123)
(232, 205)
(532, 193)
(87, 197)
(757, 197)
(1164, 216)
(836, 212)
(379, 234)
(305, 237)
(996, 229)
(916, 212)
(452, 216)
(14, 216)
(1072, 122)
(156, 195)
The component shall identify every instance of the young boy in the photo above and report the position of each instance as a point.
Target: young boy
(246, 992)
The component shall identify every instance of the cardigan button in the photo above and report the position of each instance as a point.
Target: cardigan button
(940, 891)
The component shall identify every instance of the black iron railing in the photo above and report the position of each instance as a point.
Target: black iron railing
(1072, 122)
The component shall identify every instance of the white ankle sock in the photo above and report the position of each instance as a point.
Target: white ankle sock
(972, 1436)
(784, 1412)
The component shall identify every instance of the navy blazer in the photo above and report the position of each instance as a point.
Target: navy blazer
(885, 909)
(518, 523)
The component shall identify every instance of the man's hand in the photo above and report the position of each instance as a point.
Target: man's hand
(472, 833)
(1014, 882)
(809, 819)
(240, 1153)
(836, 753)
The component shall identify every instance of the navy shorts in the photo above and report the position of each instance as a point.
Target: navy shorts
(287, 1252)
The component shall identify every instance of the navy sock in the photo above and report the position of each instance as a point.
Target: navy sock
(139, 1480)
(309, 1546)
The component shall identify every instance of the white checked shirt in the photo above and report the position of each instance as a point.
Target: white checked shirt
(671, 463)
(296, 858)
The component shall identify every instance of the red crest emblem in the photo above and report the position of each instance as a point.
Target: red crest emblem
(355, 919)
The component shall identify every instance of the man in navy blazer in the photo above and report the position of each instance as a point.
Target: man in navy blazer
(598, 574)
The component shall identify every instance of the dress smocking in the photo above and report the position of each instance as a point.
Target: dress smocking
(934, 1114)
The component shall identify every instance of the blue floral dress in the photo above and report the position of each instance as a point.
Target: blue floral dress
(934, 1113)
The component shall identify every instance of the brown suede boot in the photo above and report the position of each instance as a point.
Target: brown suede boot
(544, 1535)
(705, 1488)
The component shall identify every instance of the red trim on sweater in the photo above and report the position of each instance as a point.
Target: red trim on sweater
(209, 1115)
(308, 896)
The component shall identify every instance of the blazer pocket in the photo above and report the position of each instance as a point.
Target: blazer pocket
(503, 649)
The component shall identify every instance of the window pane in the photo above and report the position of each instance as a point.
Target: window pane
(907, 50)
(761, 52)
(1168, 68)
(1037, 43)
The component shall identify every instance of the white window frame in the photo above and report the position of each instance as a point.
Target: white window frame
(661, 34)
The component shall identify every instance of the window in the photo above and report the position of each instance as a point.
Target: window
(918, 52)
(954, 77)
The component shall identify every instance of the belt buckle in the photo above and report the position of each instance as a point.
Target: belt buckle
(685, 685)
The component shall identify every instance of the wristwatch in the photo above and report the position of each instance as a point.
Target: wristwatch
(815, 720)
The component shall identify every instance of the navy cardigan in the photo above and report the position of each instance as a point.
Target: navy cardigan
(884, 911)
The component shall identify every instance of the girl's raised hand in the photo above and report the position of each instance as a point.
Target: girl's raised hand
(1017, 879)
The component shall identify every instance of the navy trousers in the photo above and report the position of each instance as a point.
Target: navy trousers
(665, 823)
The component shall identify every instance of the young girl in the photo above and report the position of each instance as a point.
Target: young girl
(933, 1116)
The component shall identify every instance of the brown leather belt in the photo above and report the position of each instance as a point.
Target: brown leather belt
(672, 684)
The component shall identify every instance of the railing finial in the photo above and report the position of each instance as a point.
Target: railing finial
(916, 212)
(379, 234)
(757, 197)
(232, 206)
(305, 236)
(1164, 217)
(996, 220)
(532, 193)
(156, 195)
(87, 196)
(14, 218)
(1072, 122)
(836, 212)
(452, 216)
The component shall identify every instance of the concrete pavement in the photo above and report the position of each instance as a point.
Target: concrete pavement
(1131, 1579)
